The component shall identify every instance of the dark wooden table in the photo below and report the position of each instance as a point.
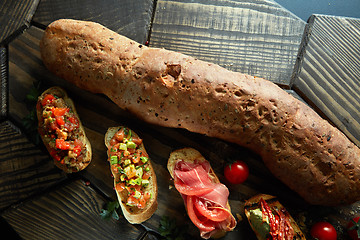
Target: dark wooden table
(317, 61)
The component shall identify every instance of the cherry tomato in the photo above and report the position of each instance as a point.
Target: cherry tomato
(353, 228)
(323, 231)
(236, 172)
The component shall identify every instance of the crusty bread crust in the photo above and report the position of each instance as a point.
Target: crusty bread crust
(133, 214)
(272, 201)
(82, 137)
(190, 155)
(171, 89)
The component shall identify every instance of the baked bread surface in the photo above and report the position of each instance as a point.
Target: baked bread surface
(171, 89)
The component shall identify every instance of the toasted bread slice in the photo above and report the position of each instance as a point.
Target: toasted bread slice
(132, 213)
(64, 162)
(254, 203)
(190, 155)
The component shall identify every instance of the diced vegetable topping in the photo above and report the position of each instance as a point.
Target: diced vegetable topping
(60, 127)
(130, 167)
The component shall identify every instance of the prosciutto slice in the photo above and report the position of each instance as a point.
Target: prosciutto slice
(205, 201)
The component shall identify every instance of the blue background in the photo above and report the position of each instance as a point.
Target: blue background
(305, 8)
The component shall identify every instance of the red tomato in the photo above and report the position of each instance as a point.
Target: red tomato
(132, 201)
(142, 202)
(323, 231)
(47, 99)
(54, 154)
(236, 172)
(59, 111)
(74, 121)
(147, 195)
(120, 186)
(77, 150)
(61, 144)
(119, 136)
(137, 140)
(146, 176)
(60, 120)
(354, 228)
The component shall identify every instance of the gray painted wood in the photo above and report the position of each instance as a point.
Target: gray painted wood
(259, 38)
(328, 71)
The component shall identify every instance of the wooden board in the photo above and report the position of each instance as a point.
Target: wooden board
(259, 38)
(327, 73)
(97, 114)
(4, 82)
(15, 16)
(68, 212)
(25, 169)
(128, 17)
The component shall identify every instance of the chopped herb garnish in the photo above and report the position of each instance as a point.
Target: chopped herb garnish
(110, 211)
(171, 230)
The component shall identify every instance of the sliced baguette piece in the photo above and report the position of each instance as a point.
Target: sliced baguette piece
(272, 201)
(133, 214)
(190, 155)
(79, 164)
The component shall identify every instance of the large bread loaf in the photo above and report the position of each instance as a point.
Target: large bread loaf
(174, 90)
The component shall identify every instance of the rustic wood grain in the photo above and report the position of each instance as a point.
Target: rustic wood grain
(24, 169)
(328, 71)
(259, 38)
(69, 212)
(128, 17)
(98, 113)
(15, 16)
(4, 81)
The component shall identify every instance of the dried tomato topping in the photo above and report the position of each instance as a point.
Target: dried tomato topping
(280, 226)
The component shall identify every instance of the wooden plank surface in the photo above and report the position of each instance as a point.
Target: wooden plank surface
(220, 32)
(25, 170)
(328, 71)
(4, 82)
(98, 113)
(71, 211)
(128, 17)
(259, 38)
(15, 16)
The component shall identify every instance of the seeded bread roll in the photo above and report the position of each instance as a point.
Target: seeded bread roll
(174, 90)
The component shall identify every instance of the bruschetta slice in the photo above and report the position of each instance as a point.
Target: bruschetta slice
(269, 219)
(205, 198)
(134, 177)
(61, 130)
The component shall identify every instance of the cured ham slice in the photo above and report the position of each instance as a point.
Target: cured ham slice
(205, 200)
